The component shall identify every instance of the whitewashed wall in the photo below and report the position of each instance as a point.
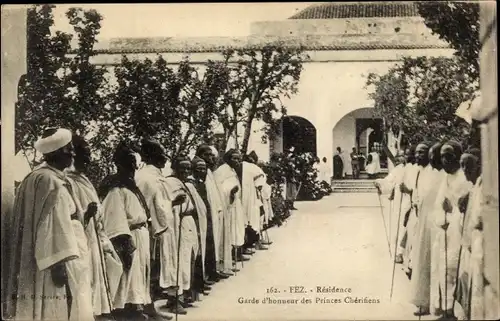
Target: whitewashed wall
(332, 84)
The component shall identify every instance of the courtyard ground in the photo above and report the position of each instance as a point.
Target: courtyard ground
(338, 241)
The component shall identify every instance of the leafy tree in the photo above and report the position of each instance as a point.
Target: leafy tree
(458, 24)
(256, 82)
(200, 101)
(176, 107)
(59, 90)
(41, 91)
(145, 101)
(420, 95)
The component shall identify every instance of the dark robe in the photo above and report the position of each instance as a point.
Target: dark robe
(338, 166)
(210, 260)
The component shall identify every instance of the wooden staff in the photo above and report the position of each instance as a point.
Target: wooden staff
(391, 208)
(385, 226)
(445, 264)
(101, 255)
(178, 263)
(396, 245)
(457, 279)
(262, 231)
(236, 247)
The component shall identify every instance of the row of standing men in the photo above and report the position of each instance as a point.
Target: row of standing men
(82, 253)
(435, 193)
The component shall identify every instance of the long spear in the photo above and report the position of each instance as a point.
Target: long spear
(385, 226)
(106, 281)
(459, 258)
(391, 208)
(396, 244)
(446, 263)
(178, 264)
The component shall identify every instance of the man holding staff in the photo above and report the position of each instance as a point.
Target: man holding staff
(106, 266)
(48, 253)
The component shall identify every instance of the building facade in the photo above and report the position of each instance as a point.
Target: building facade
(344, 41)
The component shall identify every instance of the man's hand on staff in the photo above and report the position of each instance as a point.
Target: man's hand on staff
(391, 197)
(463, 203)
(447, 207)
(404, 189)
(91, 212)
(179, 200)
(188, 213)
(233, 193)
(377, 185)
(445, 226)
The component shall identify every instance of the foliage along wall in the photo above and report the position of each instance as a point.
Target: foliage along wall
(147, 98)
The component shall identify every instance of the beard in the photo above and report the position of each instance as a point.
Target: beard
(423, 161)
(451, 169)
(200, 176)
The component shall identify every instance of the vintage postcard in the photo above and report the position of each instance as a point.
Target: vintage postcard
(250, 161)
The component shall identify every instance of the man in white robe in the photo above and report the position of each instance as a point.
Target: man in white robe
(221, 226)
(416, 188)
(468, 205)
(190, 231)
(266, 200)
(409, 218)
(106, 266)
(266, 193)
(199, 175)
(325, 173)
(449, 219)
(48, 253)
(252, 183)
(482, 298)
(230, 186)
(347, 164)
(390, 185)
(125, 220)
(155, 189)
(373, 167)
(424, 198)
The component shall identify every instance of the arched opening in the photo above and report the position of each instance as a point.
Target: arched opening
(369, 137)
(300, 134)
(363, 130)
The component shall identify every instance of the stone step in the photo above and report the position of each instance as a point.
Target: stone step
(348, 180)
(341, 190)
(353, 183)
(353, 186)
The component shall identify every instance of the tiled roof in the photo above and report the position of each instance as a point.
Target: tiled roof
(337, 10)
(309, 42)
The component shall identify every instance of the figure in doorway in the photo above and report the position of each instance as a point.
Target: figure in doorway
(373, 167)
(355, 163)
(325, 172)
(338, 164)
(291, 186)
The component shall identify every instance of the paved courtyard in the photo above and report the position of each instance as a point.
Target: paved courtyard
(338, 242)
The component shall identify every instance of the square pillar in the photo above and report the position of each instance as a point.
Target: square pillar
(14, 45)
(488, 115)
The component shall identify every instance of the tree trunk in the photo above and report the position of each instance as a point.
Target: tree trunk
(223, 146)
(246, 135)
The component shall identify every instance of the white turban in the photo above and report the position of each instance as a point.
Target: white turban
(59, 139)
